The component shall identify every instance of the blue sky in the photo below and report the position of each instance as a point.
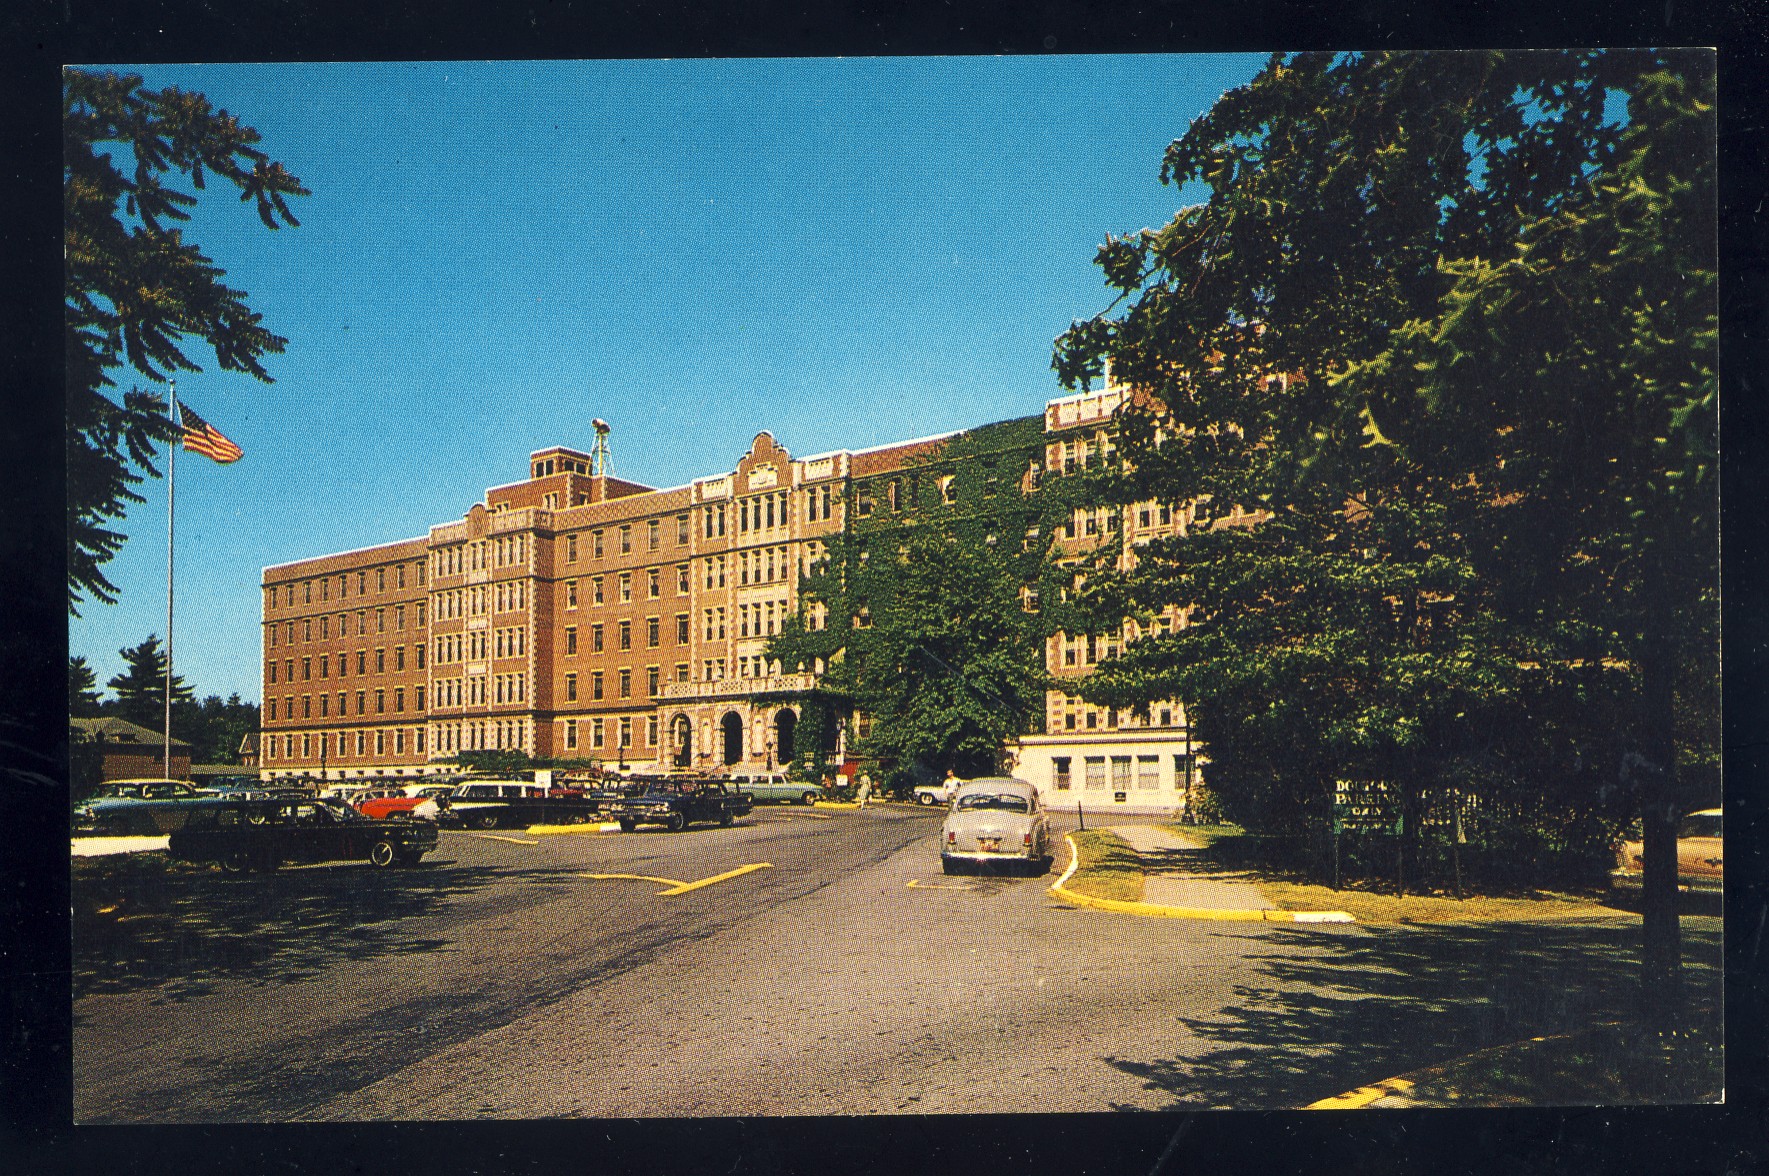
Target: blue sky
(842, 252)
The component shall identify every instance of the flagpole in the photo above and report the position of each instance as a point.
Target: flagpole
(171, 490)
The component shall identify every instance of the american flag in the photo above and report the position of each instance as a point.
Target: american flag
(202, 437)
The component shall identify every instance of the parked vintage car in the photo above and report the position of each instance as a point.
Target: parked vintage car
(503, 803)
(385, 802)
(676, 804)
(1700, 858)
(995, 821)
(142, 808)
(263, 834)
(928, 795)
(773, 786)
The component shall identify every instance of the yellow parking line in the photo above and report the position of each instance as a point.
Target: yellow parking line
(511, 840)
(920, 885)
(678, 887)
(685, 887)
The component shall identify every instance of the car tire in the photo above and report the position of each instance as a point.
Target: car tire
(237, 862)
(676, 823)
(267, 864)
(627, 825)
(483, 820)
(726, 820)
(810, 798)
(925, 799)
(383, 853)
(410, 858)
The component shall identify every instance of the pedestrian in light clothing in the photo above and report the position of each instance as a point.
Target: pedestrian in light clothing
(865, 793)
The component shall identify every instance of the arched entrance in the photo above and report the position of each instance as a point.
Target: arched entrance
(731, 726)
(785, 725)
(682, 736)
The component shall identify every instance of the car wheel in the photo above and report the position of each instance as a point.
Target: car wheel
(484, 821)
(726, 820)
(925, 799)
(237, 862)
(676, 823)
(627, 825)
(411, 858)
(268, 864)
(383, 854)
(257, 818)
(810, 798)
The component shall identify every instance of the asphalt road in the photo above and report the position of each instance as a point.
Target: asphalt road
(845, 976)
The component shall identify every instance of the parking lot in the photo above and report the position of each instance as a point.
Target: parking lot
(800, 962)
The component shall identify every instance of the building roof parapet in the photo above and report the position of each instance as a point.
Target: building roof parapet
(392, 550)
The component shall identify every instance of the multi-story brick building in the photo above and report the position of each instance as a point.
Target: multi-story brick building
(574, 615)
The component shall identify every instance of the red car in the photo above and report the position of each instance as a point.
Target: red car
(420, 802)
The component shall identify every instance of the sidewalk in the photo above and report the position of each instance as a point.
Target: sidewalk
(1169, 860)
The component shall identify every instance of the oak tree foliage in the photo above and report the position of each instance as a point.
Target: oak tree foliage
(1445, 324)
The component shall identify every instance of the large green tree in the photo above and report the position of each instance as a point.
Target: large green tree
(137, 292)
(1445, 322)
(141, 688)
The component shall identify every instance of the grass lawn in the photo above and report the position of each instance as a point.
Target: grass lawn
(1371, 906)
(1613, 1064)
(1109, 867)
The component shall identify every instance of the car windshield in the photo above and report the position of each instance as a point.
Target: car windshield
(1700, 825)
(993, 800)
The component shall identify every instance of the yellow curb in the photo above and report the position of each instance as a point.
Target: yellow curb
(555, 830)
(835, 804)
(1154, 910)
(1363, 1096)
(495, 837)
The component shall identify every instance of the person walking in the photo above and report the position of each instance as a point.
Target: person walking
(865, 793)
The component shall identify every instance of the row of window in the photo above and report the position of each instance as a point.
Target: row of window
(757, 667)
(394, 573)
(482, 734)
(759, 618)
(624, 538)
(324, 701)
(623, 682)
(1121, 773)
(325, 663)
(500, 551)
(480, 599)
(323, 625)
(623, 631)
(600, 730)
(623, 587)
(317, 745)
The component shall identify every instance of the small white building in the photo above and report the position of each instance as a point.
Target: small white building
(1127, 770)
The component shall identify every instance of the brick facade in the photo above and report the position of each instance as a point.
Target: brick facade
(574, 615)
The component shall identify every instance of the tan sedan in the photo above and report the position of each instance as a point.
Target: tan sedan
(995, 820)
(1700, 857)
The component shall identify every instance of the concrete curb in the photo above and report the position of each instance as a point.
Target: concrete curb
(558, 830)
(1152, 910)
(836, 804)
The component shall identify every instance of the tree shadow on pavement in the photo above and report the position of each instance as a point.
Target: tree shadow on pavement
(141, 921)
(1341, 1009)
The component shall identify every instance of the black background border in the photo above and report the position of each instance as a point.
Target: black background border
(35, 1071)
